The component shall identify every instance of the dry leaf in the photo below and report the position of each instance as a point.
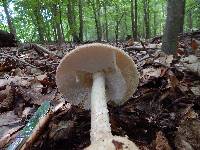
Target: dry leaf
(174, 82)
(195, 90)
(162, 142)
(195, 44)
(6, 99)
(188, 135)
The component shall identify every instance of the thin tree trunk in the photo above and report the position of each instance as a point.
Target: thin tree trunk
(154, 24)
(182, 14)
(117, 28)
(9, 19)
(125, 27)
(155, 20)
(48, 33)
(136, 14)
(39, 27)
(106, 21)
(132, 18)
(72, 20)
(172, 26)
(61, 24)
(190, 20)
(96, 12)
(38, 21)
(56, 13)
(80, 5)
(54, 29)
(146, 18)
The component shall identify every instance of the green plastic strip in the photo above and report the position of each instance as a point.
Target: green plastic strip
(30, 126)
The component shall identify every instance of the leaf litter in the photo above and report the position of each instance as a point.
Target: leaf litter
(162, 114)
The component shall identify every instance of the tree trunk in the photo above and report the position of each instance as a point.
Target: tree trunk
(61, 24)
(136, 14)
(38, 21)
(96, 11)
(39, 27)
(80, 5)
(118, 21)
(154, 24)
(190, 20)
(72, 20)
(106, 21)
(146, 18)
(56, 14)
(182, 14)
(172, 26)
(132, 18)
(7, 39)
(9, 19)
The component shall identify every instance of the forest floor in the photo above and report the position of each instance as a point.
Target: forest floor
(163, 114)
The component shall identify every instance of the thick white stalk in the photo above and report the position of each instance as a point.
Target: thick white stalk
(100, 126)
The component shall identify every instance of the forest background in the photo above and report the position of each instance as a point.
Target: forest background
(47, 21)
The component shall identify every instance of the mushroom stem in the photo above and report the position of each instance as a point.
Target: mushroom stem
(100, 126)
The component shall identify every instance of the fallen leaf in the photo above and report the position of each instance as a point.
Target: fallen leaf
(188, 135)
(6, 99)
(9, 124)
(162, 142)
(195, 90)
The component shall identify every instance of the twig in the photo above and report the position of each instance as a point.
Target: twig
(11, 123)
(38, 48)
(13, 57)
(144, 48)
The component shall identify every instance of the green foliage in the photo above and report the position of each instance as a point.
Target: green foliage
(35, 20)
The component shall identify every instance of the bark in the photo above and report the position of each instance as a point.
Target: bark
(39, 27)
(80, 5)
(38, 21)
(182, 14)
(7, 39)
(61, 26)
(125, 28)
(48, 29)
(9, 19)
(172, 26)
(146, 18)
(56, 12)
(118, 21)
(96, 11)
(190, 20)
(132, 18)
(72, 20)
(154, 23)
(136, 14)
(106, 22)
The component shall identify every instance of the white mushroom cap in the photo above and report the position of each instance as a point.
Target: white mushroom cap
(74, 73)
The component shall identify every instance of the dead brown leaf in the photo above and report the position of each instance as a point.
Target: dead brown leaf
(162, 142)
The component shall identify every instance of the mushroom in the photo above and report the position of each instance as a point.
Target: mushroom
(91, 75)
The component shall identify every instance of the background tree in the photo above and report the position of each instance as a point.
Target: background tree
(58, 23)
(172, 27)
(71, 16)
(146, 18)
(80, 6)
(96, 7)
(83, 20)
(182, 16)
(9, 19)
